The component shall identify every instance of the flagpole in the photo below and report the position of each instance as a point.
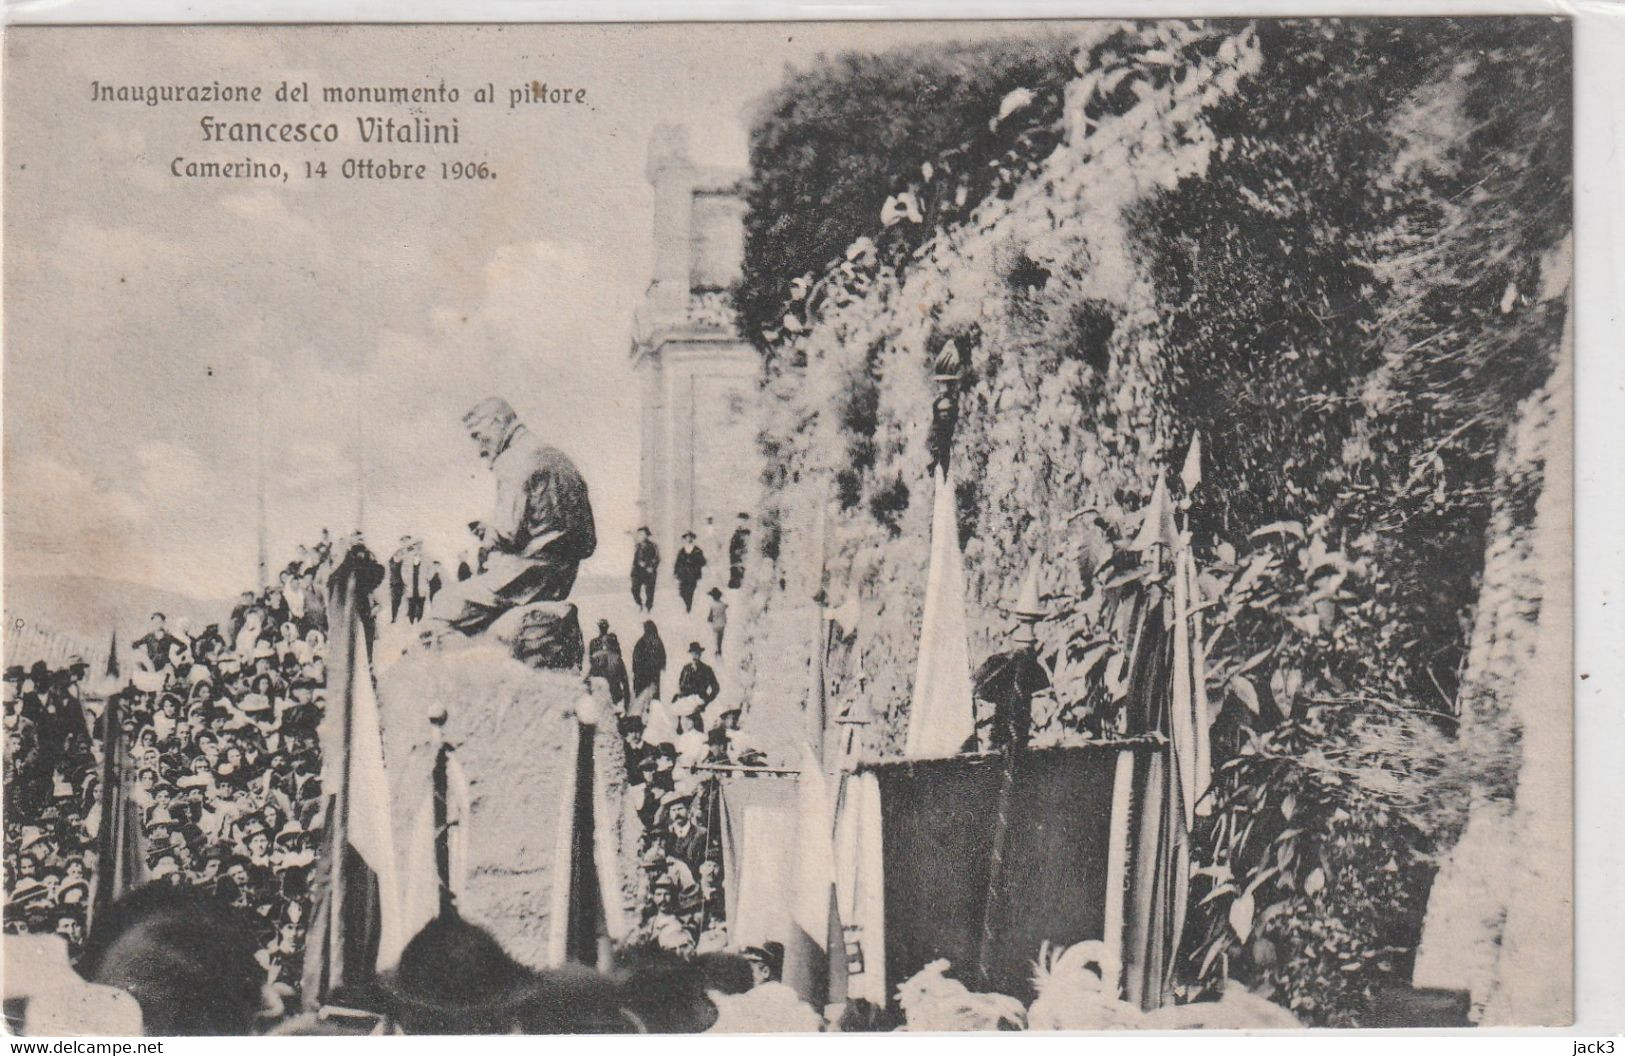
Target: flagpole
(108, 858)
(339, 822)
(264, 562)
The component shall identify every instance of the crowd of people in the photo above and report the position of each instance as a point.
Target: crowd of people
(671, 751)
(415, 579)
(219, 725)
(674, 744)
(688, 567)
(52, 785)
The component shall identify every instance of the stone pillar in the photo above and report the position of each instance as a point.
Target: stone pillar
(698, 377)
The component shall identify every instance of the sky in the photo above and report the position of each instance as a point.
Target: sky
(158, 330)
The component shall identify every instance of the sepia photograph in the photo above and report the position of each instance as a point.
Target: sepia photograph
(789, 527)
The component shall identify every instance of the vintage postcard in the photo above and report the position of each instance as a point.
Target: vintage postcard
(747, 527)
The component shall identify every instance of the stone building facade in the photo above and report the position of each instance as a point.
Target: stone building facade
(698, 377)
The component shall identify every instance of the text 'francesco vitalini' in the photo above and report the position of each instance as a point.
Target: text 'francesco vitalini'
(368, 130)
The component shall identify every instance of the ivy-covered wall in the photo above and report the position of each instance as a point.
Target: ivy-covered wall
(1335, 250)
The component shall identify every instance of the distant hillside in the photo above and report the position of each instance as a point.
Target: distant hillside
(89, 607)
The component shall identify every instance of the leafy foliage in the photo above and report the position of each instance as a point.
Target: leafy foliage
(1334, 250)
(833, 143)
(1352, 295)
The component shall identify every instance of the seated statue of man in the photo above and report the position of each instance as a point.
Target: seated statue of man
(539, 533)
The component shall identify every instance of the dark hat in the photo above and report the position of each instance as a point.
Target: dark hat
(716, 592)
(628, 723)
(15, 673)
(769, 954)
(688, 535)
(696, 648)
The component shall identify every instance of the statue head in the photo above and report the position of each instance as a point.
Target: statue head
(490, 423)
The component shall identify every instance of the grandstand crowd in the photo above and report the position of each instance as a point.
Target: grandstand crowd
(220, 726)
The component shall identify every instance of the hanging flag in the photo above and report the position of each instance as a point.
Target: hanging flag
(578, 920)
(942, 718)
(356, 926)
(812, 910)
(439, 831)
(860, 888)
(120, 852)
(758, 857)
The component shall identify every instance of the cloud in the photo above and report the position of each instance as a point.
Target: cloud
(374, 432)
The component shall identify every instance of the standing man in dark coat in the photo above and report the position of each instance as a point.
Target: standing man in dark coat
(415, 575)
(697, 679)
(605, 661)
(539, 533)
(156, 643)
(688, 568)
(738, 547)
(645, 565)
(648, 663)
(397, 578)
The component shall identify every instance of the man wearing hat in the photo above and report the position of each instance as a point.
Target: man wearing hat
(766, 962)
(540, 530)
(630, 728)
(688, 567)
(687, 840)
(645, 566)
(697, 679)
(397, 577)
(665, 928)
(717, 617)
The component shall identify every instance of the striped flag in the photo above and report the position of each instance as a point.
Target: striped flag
(121, 852)
(814, 919)
(356, 926)
(942, 718)
(860, 886)
(437, 853)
